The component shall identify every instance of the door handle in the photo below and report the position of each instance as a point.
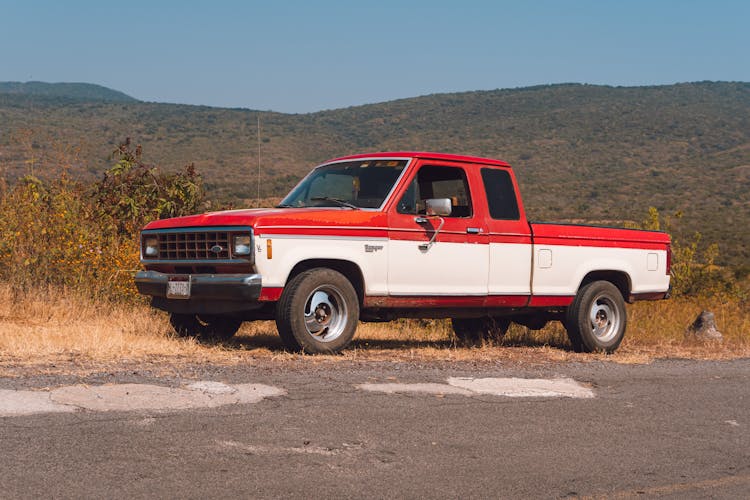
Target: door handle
(473, 230)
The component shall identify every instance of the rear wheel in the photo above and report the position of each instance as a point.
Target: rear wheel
(205, 326)
(597, 318)
(476, 331)
(318, 312)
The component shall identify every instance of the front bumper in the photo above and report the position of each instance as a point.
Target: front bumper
(203, 287)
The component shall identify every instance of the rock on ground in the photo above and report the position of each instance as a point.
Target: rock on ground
(704, 327)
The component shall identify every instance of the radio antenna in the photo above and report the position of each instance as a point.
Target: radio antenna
(257, 199)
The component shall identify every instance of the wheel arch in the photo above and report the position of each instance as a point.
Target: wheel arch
(349, 269)
(620, 279)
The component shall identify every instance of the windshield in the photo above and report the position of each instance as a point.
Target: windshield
(353, 184)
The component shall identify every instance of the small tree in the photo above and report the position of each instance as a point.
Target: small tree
(133, 193)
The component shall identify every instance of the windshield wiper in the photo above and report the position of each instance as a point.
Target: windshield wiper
(284, 205)
(340, 203)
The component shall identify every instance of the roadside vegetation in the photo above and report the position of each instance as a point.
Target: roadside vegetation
(583, 152)
(82, 237)
(68, 252)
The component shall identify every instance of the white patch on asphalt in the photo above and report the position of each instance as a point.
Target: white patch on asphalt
(212, 387)
(129, 397)
(733, 423)
(524, 387)
(13, 403)
(509, 387)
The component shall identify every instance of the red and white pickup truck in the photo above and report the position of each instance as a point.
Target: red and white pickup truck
(374, 237)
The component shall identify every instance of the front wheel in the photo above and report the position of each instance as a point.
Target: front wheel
(205, 326)
(318, 312)
(596, 319)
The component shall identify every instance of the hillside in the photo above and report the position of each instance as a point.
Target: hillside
(74, 91)
(582, 152)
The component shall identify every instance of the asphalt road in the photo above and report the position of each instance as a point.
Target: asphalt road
(674, 429)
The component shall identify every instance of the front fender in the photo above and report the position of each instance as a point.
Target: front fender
(369, 254)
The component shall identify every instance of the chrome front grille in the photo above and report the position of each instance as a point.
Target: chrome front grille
(194, 245)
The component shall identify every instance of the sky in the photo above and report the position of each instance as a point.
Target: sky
(299, 57)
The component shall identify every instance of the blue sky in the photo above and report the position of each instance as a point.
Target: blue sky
(295, 56)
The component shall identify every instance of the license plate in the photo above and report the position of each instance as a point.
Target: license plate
(178, 289)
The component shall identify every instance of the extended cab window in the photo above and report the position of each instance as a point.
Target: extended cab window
(501, 197)
(437, 182)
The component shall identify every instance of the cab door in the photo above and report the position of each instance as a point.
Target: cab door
(509, 239)
(438, 256)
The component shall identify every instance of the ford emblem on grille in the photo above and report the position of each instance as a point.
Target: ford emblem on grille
(217, 249)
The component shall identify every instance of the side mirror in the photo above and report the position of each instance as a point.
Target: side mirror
(441, 207)
(434, 207)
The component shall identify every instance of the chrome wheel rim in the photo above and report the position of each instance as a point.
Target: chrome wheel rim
(605, 318)
(325, 313)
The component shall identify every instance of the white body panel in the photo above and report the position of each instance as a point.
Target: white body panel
(401, 268)
(443, 269)
(289, 250)
(510, 269)
(559, 270)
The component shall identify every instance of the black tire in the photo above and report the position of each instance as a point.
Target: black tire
(205, 326)
(318, 312)
(477, 331)
(596, 320)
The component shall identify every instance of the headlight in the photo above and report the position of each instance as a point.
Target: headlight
(241, 244)
(151, 246)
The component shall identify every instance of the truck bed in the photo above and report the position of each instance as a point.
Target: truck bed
(565, 254)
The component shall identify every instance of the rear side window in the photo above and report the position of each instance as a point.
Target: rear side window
(501, 197)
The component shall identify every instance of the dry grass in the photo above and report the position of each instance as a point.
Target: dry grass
(50, 327)
(47, 324)
(658, 327)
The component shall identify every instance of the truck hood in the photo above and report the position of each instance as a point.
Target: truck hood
(269, 218)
